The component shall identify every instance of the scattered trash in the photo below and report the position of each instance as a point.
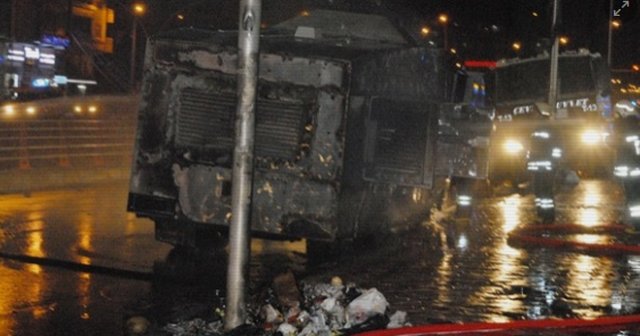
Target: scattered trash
(398, 320)
(195, 327)
(322, 309)
(287, 329)
(269, 314)
(367, 305)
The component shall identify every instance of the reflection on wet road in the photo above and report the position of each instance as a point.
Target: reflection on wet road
(91, 227)
(85, 226)
(481, 277)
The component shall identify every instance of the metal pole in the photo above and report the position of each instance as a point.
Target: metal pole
(610, 33)
(239, 234)
(446, 38)
(14, 16)
(553, 75)
(132, 71)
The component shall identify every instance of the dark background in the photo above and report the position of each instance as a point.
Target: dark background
(477, 29)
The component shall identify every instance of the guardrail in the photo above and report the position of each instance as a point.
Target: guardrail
(49, 137)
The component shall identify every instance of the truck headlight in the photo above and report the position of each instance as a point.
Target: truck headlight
(9, 111)
(593, 137)
(513, 147)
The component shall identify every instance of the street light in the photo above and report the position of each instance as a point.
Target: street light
(563, 40)
(615, 24)
(444, 19)
(425, 31)
(138, 9)
(516, 46)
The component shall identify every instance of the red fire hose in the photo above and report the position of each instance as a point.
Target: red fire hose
(528, 236)
(488, 328)
(531, 235)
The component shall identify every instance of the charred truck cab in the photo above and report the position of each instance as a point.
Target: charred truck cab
(346, 125)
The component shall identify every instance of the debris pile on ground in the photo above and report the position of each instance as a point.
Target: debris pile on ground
(322, 309)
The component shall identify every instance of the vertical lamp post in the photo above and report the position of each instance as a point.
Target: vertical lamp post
(444, 20)
(242, 176)
(553, 72)
(14, 16)
(610, 33)
(138, 10)
(613, 24)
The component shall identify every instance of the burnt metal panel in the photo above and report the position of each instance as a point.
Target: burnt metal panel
(327, 145)
(188, 111)
(206, 119)
(279, 201)
(415, 73)
(399, 141)
(273, 67)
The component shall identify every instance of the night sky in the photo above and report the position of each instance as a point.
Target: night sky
(482, 29)
(478, 29)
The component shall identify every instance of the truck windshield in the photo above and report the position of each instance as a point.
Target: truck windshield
(529, 80)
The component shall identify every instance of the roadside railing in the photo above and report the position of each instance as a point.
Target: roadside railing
(65, 133)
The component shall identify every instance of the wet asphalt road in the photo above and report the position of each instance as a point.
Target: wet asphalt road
(481, 277)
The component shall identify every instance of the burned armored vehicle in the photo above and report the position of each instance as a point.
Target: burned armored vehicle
(346, 126)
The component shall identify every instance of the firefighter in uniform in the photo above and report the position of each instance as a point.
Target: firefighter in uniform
(626, 141)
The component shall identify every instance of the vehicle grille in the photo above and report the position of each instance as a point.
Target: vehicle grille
(206, 120)
(399, 150)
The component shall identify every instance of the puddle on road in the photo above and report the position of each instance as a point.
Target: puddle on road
(481, 277)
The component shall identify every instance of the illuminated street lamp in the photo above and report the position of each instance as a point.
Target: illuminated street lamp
(615, 24)
(425, 31)
(444, 20)
(180, 17)
(516, 46)
(138, 9)
(635, 67)
(564, 40)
